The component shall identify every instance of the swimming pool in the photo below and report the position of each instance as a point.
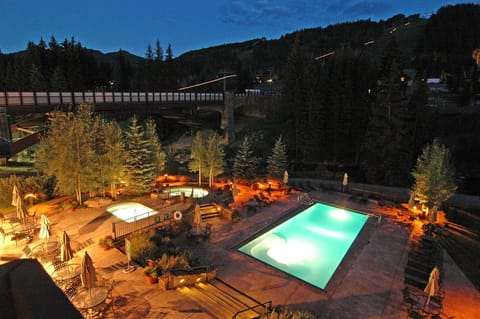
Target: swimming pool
(187, 191)
(311, 244)
(131, 211)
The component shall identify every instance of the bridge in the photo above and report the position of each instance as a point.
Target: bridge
(179, 106)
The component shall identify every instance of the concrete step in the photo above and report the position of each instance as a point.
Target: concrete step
(221, 301)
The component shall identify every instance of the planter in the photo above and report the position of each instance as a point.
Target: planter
(151, 280)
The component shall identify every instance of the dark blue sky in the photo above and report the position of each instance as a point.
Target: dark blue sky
(110, 25)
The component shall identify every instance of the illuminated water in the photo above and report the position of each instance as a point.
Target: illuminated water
(310, 245)
(131, 211)
(177, 191)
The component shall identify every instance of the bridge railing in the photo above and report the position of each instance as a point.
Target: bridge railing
(67, 98)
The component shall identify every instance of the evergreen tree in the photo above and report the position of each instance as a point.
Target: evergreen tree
(58, 82)
(149, 53)
(387, 152)
(110, 155)
(37, 81)
(121, 73)
(293, 109)
(169, 53)
(278, 161)
(434, 175)
(245, 163)
(139, 165)
(157, 155)
(158, 51)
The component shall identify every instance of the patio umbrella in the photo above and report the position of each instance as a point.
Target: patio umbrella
(285, 177)
(22, 212)
(44, 228)
(432, 287)
(66, 252)
(345, 181)
(197, 217)
(87, 273)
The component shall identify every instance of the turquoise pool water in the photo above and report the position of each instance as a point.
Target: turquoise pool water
(131, 211)
(177, 191)
(310, 245)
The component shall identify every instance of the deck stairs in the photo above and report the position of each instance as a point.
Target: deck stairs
(222, 301)
(208, 211)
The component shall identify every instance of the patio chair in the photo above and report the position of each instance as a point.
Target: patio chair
(27, 251)
(416, 313)
(70, 292)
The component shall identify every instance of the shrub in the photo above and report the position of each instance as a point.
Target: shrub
(106, 242)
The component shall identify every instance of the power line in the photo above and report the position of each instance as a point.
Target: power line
(208, 82)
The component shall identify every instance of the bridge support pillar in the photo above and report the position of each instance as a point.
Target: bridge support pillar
(5, 135)
(228, 117)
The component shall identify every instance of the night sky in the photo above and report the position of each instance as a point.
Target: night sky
(110, 25)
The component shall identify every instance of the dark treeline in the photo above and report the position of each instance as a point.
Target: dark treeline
(366, 104)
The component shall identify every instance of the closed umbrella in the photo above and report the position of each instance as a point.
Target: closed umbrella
(87, 273)
(22, 212)
(432, 287)
(66, 252)
(44, 228)
(285, 177)
(345, 181)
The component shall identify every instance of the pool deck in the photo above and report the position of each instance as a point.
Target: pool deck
(368, 284)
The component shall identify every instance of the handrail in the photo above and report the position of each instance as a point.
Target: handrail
(266, 306)
(33, 98)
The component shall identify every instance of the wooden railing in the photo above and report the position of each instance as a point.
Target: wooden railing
(154, 218)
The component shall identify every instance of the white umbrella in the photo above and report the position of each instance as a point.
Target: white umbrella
(432, 287)
(285, 177)
(44, 227)
(66, 252)
(345, 181)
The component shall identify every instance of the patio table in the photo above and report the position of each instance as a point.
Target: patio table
(46, 252)
(24, 230)
(67, 274)
(87, 300)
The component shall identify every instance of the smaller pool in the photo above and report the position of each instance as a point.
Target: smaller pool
(177, 191)
(131, 211)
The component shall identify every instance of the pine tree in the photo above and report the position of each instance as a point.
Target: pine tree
(111, 155)
(158, 51)
(139, 165)
(278, 161)
(293, 113)
(157, 155)
(149, 53)
(37, 81)
(58, 82)
(386, 155)
(245, 163)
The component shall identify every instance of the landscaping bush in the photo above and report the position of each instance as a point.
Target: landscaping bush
(156, 245)
(286, 313)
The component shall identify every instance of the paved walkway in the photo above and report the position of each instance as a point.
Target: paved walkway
(367, 285)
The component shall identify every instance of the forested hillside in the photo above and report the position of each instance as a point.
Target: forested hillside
(354, 94)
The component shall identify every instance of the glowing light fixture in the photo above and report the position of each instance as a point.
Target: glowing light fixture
(291, 252)
(339, 214)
